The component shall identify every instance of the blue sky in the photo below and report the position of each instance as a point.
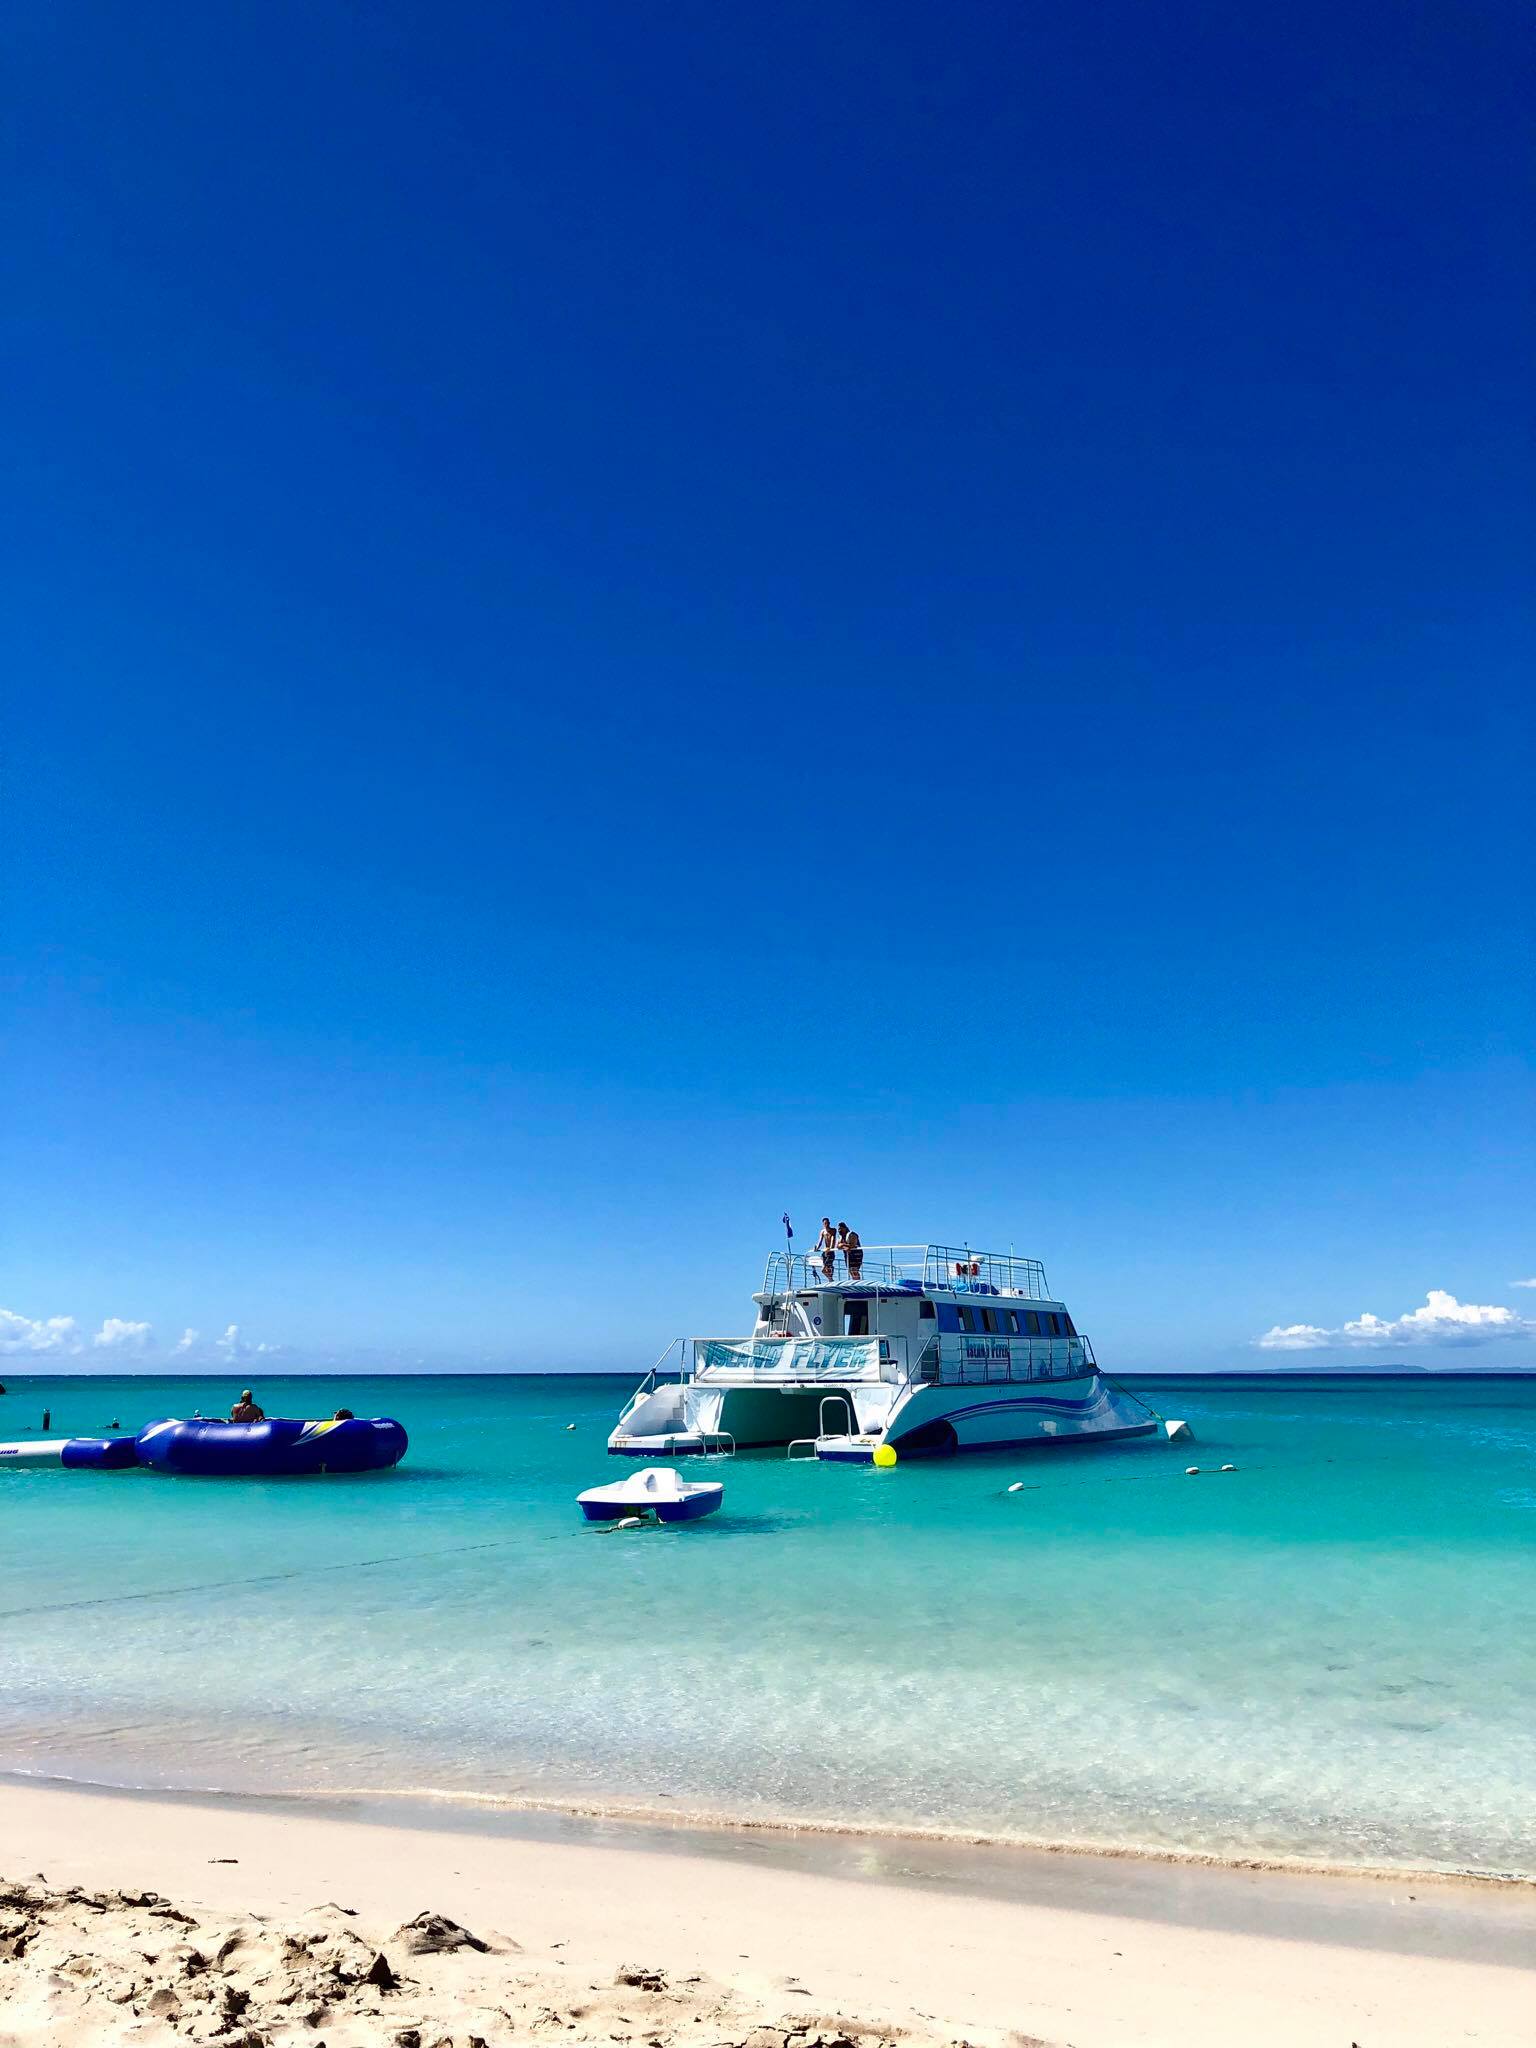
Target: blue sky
(629, 619)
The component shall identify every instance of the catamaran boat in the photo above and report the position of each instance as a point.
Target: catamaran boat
(927, 1349)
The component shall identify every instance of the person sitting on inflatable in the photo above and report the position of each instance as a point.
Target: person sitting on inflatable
(245, 1409)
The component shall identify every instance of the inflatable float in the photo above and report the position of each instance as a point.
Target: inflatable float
(281, 1447)
(80, 1453)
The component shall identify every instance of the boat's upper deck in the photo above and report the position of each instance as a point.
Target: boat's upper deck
(909, 1269)
(898, 1313)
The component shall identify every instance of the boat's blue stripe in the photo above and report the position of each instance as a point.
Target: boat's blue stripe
(1040, 1402)
(1028, 1443)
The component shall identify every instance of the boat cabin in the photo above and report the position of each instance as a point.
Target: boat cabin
(911, 1291)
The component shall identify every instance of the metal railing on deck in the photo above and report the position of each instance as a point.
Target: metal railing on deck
(950, 1266)
(653, 1378)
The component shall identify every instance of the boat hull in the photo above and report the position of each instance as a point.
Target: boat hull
(928, 1420)
(1010, 1415)
(687, 1510)
(683, 1445)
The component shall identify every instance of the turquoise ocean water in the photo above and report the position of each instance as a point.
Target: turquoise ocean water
(1328, 1654)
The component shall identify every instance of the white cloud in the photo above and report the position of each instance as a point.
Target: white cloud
(1293, 1337)
(1442, 1320)
(232, 1345)
(1523, 1283)
(61, 1336)
(116, 1335)
(22, 1334)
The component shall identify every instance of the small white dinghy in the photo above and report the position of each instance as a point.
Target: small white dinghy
(658, 1491)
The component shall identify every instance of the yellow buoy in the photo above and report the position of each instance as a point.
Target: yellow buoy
(885, 1455)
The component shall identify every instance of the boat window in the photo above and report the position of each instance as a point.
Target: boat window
(925, 1312)
(1056, 1329)
(989, 1320)
(1071, 1332)
(1032, 1319)
(855, 1318)
(1013, 1322)
(967, 1319)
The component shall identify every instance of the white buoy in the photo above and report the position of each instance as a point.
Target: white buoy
(1229, 1468)
(1178, 1432)
(1190, 1471)
(1017, 1486)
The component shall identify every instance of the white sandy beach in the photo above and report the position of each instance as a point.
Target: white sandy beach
(264, 1928)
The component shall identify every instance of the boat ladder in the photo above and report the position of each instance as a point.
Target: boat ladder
(806, 1445)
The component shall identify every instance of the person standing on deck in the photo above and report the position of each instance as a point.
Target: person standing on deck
(826, 1244)
(852, 1249)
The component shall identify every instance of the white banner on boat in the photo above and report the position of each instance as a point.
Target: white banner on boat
(795, 1358)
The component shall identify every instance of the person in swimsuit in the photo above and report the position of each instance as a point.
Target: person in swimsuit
(851, 1249)
(826, 1244)
(245, 1409)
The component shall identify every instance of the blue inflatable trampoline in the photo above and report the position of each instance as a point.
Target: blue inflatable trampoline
(281, 1447)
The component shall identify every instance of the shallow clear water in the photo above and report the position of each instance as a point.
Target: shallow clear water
(1329, 1653)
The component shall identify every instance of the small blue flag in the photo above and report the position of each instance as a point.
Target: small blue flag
(789, 1228)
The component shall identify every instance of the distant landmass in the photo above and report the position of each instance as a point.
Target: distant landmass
(1400, 1369)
